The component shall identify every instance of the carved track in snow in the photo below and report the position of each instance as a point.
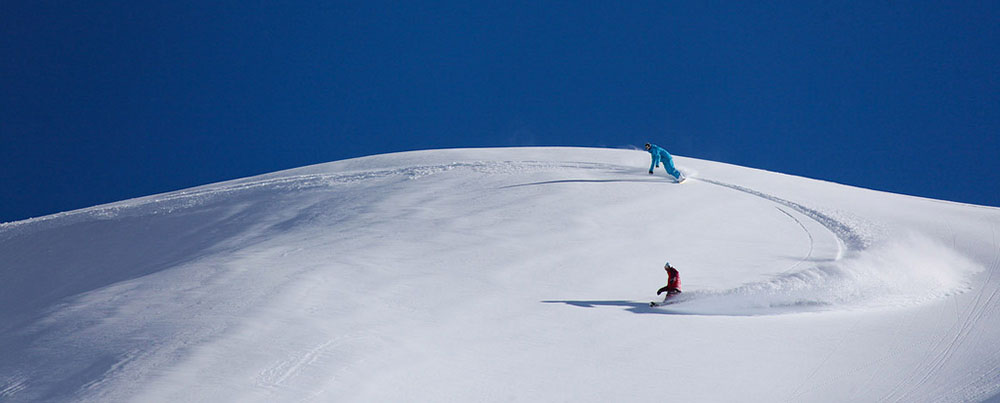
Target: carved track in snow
(849, 235)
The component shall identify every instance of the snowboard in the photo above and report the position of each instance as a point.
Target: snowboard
(669, 299)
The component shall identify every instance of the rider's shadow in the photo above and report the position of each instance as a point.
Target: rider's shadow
(631, 306)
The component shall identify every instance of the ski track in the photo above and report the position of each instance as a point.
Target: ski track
(913, 386)
(278, 374)
(851, 238)
(980, 308)
(11, 386)
(946, 345)
(853, 235)
(812, 240)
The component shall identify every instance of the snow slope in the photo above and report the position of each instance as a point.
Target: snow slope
(517, 274)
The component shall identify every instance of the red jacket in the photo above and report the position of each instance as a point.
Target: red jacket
(673, 282)
(673, 278)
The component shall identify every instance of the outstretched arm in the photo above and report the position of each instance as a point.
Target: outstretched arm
(656, 161)
(662, 290)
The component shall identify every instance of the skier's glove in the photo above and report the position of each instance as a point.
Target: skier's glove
(657, 165)
(651, 172)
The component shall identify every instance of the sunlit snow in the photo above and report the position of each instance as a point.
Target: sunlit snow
(517, 274)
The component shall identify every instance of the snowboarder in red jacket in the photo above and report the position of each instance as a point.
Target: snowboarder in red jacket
(673, 281)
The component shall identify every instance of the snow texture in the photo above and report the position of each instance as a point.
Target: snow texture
(518, 274)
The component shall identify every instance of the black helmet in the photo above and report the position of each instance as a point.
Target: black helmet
(647, 146)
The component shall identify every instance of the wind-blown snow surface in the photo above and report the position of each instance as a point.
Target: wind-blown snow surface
(504, 275)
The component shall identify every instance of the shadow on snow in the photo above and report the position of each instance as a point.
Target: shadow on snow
(636, 307)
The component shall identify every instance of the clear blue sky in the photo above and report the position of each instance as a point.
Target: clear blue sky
(102, 101)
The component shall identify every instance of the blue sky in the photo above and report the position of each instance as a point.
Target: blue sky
(102, 101)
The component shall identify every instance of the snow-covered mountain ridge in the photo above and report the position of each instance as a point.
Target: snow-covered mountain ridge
(503, 274)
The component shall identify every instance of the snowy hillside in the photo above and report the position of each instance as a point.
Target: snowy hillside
(517, 274)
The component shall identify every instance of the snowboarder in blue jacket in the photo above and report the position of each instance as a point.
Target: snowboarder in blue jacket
(661, 155)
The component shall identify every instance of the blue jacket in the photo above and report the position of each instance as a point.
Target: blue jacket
(659, 154)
